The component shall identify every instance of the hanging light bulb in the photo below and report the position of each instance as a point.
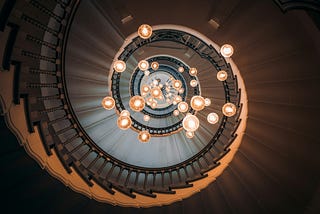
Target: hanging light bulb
(181, 90)
(181, 69)
(190, 123)
(145, 31)
(146, 72)
(108, 103)
(229, 109)
(146, 118)
(177, 99)
(156, 92)
(189, 134)
(125, 113)
(177, 84)
(176, 112)
(222, 75)
(137, 103)
(154, 104)
(155, 66)
(145, 89)
(193, 83)
(207, 102)
(226, 50)
(124, 122)
(197, 103)
(183, 106)
(143, 65)
(119, 66)
(193, 71)
(144, 136)
(213, 118)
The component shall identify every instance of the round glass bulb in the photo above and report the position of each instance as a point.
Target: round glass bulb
(154, 104)
(193, 71)
(146, 72)
(144, 136)
(181, 90)
(207, 102)
(177, 99)
(108, 103)
(226, 50)
(156, 92)
(145, 89)
(176, 112)
(193, 83)
(143, 65)
(189, 134)
(145, 31)
(183, 106)
(222, 75)
(181, 69)
(136, 103)
(197, 103)
(125, 113)
(177, 84)
(213, 118)
(124, 122)
(146, 118)
(229, 109)
(119, 66)
(190, 123)
(155, 66)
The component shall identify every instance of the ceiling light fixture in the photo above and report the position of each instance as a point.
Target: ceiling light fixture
(145, 31)
(226, 50)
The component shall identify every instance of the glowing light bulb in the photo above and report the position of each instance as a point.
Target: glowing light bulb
(124, 122)
(145, 89)
(190, 123)
(181, 90)
(177, 99)
(145, 31)
(226, 50)
(207, 102)
(155, 66)
(193, 71)
(222, 75)
(229, 109)
(143, 65)
(125, 113)
(147, 72)
(177, 84)
(144, 136)
(154, 104)
(183, 107)
(197, 103)
(176, 112)
(156, 92)
(213, 118)
(119, 66)
(189, 134)
(146, 118)
(137, 103)
(181, 69)
(193, 83)
(108, 103)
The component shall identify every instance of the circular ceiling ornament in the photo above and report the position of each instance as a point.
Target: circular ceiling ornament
(145, 31)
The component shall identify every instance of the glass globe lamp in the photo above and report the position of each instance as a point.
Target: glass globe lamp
(108, 103)
(226, 50)
(177, 84)
(125, 113)
(144, 136)
(193, 71)
(212, 118)
(124, 122)
(181, 69)
(183, 106)
(222, 75)
(176, 112)
(137, 103)
(119, 66)
(145, 31)
(189, 134)
(155, 66)
(143, 65)
(229, 109)
(156, 92)
(146, 118)
(197, 103)
(207, 102)
(193, 83)
(190, 123)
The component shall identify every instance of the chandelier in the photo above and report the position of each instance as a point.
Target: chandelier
(164, 91)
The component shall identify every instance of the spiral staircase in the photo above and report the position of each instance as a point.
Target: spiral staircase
(276, 169)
